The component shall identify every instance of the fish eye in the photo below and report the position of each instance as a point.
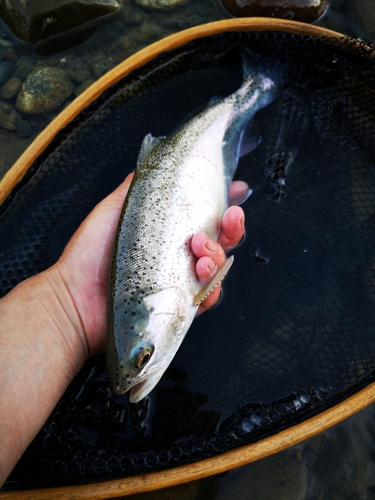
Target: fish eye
(141, 354)
(143, 359)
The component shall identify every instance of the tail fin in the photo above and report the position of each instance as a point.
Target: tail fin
(255, 66)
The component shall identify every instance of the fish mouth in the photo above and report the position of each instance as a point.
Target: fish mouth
(141, 389)
(137, 392)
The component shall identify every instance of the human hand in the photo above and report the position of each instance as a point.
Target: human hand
(210, 253)
(84, 266)
(51, 322)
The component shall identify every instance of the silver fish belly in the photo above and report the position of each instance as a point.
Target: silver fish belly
(180, 188)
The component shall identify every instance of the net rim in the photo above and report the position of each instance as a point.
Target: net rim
(16, 173)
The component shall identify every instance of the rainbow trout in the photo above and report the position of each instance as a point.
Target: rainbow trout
(180, 188)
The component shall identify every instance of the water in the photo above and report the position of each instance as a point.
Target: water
(336, 464)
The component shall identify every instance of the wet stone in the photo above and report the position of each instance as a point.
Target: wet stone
(158, 4)
(34, 22)
(24, 68)
(5, 73)
(362, 15)
(306, 11)
(148, 30)
(132, 15)
(99, 69)
(5, 43)
(8, 118)
(124, 43)
(81, 75)
(11, 147)
(44, 90)
(5, 107)
(23, 127)
(11, 55)
(10, 88)
(84, 85)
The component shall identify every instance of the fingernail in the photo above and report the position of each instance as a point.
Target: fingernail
(210, 245)
(212, 268)
(232, 214)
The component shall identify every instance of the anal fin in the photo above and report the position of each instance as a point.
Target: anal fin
(214, 281)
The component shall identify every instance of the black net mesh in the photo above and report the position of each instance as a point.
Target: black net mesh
(294, 333)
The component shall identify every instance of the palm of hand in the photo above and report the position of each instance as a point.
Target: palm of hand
(85, 264)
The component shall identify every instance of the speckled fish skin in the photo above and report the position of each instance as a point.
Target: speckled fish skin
(180, 189)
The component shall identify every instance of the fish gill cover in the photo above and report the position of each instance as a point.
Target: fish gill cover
(294, 333)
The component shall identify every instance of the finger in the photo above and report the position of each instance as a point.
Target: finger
(210, 257)
(239, 192)
(210, 301)
(232, 228)
(205, 269)
(115, 200)
(85, 263)
(203, 246)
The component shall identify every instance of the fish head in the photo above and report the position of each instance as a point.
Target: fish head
(148, 329)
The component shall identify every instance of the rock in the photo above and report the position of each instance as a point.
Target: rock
(306, 11)
(10, 88)
(124, 43)
(98, 69)
(132, 15)
(158, 4)
(5, 107)
(148, 31)
(81, 75)
(8, 118)
(24, 68)
(23, 127)
(11, 147)
(5, 73)
(45, 89)
(362, 16)
(278, 477)
(5, 43)
(11, 55)
(84, 85)
(34, 21)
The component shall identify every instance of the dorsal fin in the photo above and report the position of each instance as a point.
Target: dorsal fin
(214, 281)
(148, 144)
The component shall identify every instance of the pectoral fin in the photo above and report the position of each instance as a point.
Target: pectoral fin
(248, 142)
(214, 281)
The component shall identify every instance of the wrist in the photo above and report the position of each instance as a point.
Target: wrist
(44, 316)
(41, 350)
